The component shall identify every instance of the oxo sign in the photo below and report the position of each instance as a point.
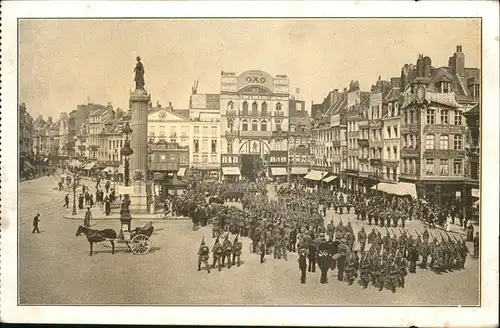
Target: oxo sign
(256, 79)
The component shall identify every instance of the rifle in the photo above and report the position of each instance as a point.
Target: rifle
(418, 235)
(202, 241)
(442, 238)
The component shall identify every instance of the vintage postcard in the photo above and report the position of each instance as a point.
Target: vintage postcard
(250, 163)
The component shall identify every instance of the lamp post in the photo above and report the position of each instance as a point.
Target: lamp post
(126, 151)
(75, 177)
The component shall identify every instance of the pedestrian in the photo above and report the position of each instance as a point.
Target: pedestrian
(66, 201)
(88, 217)
(302, 265)
(36, 220)
(262, 250)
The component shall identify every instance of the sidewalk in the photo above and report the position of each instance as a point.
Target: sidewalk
(99, 215)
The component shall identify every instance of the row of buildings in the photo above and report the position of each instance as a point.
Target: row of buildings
(415, 134)
(252, 127)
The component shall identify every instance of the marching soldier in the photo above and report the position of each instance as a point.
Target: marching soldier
(237, 246)
(313, 253)
(394, 273)
(413, 257)
(364, 270)
(323, 260)
(362, 239)
(403, 264)
(262, 249)
(203, 255)
(352, 266)
(330, 229)
(372, 236)
(228, 250)
(378, 272)
(217, 251)
(302, 264)
(341, 259)
(424, 250)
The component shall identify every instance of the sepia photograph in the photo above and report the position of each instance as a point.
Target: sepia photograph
(244, 161)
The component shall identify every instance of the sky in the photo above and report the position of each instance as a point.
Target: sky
(63, 63)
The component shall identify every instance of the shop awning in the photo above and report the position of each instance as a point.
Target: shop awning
(299, 170)
(231, 171)
(109, 169)
(89, 166)
(400, 188)
(330, 178)
(75, 163)
(181, 172)
(277, 171)
(315, 175)
(476, 193)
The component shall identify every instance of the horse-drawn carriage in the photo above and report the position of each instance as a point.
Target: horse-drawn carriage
(137, 240)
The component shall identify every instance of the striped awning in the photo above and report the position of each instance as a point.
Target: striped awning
(330, 178)
(109, 169)
(181, 172)
(277, 171)
(315, 175)
(89, 166)
(231, 171)
(299, 170)
(400, 188)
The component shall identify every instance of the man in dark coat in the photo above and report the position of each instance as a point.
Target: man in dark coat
(302, 265)
(36, 220)
(66, 201)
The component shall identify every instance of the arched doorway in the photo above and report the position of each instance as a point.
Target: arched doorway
(254, 159)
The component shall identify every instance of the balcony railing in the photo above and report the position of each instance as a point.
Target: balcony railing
(173, 135)
(279, 114)
(231, 112)
(233, 134)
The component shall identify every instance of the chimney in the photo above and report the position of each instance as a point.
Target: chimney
(459, 62)
(427, 66)
(170, 105)
(420, 65)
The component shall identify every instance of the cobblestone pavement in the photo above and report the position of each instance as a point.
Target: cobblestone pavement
(55, 269)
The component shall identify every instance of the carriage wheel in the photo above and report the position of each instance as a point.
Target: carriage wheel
(140, 244)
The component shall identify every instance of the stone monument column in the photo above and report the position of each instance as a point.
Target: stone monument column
(139, 100)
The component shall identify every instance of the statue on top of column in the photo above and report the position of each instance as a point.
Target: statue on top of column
(139, 75)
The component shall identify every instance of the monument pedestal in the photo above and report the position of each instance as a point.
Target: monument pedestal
(139, 197)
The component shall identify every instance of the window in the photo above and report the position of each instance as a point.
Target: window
(395, 132)
(278, 106)
(163, 158)
(152, 130)
(204, 145)
(214, 131)
(445, 87)
(263, 126)
(213, 158)
(405, 117)
(457, 166)
(196, 158)
(204, 159)
(214, 146)
(443, 167)
(229, 147)
(457, 142)
(197, 130)
(264, 108)
(196, 146)
(405, 143)
(457, 118)
(230, 105)
(431, 116)
(444, 116)
(184, 131)
(278, 125)
(429, 141)
(429, 166)
(443, 142)
(244, 125)
(230, 125)
(388, 152)
(477, 91)
(389, 132)
(245, 109)
(394, 174)
(395, 151)
(254, 109)
(255, 125)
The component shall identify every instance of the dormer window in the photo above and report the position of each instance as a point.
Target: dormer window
(445, 87)
(477, 91)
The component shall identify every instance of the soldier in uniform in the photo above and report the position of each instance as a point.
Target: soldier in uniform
(352, 267)
(324, 260)
(330, 229)
(403, 264)
(341, 258)
(382, 217)
(476, 245)
(262, 250)
(363, 212)
(302, 264)
(227, 246)
(203, 255)
(413, 257)
(362, 239)
(215, 227)
(394, 273)
(237, 246)
(395, 218)
(376, 215)
(292, 241)
(364, 269)
(424, 250)
(372, 236)
(312, 255)
(378, 272)
(217, 253)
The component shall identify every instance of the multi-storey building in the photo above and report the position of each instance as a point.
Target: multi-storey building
(205, 134)
(357, 103)
(473, 160)
(299, 141)
(26, 133)
(254, 124)
(339, 140)
(95, 140)
(391, 137)
(432, 127)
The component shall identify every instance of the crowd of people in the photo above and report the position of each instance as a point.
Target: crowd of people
(295, 222)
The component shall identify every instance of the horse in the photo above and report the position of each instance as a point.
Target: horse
(97, 236)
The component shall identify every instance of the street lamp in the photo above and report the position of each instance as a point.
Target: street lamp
(126, 151)
(75, 177)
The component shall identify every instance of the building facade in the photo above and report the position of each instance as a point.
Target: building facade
(299, 141)
(205, 134)
(254, 124)
(391, 137)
